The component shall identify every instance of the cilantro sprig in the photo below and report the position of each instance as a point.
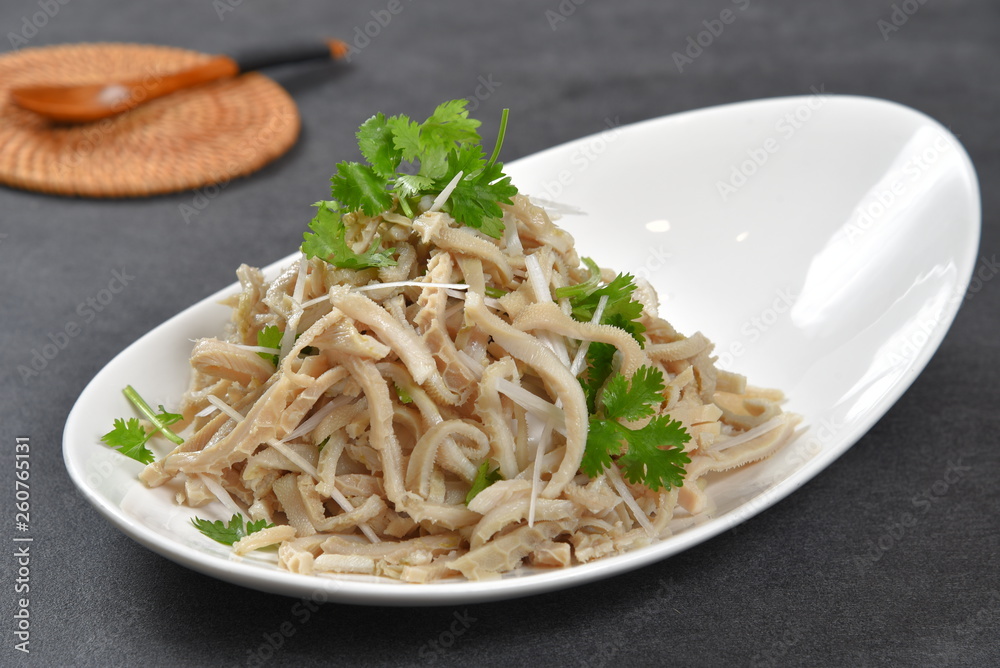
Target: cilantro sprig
(229, 533)
(443, 148)
(328, 241)
(620, 311)
(652, 455)
(129, 437)
(484, 478)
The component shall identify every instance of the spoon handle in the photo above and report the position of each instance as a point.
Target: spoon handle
(268, 57)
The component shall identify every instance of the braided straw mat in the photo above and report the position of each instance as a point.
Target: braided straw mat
(188, 139)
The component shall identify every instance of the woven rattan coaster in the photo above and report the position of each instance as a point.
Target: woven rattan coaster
(185, 140)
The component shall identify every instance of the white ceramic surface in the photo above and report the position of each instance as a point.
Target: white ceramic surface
(823, 242)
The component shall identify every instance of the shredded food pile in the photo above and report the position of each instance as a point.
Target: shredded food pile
(362, 445)
(460, 399)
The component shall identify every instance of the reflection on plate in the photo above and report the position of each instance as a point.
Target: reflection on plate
(824, 243)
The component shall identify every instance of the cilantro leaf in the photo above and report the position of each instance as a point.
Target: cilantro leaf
(467, 159)
(405, 136)
(656, 456)
(603, 441)
(129, 438)
(653, 454)
(448, 125)
(328, 242)
(621, 310)
(269, 337)
(633, 401)
(600, 358)
(475, 201)
(254, 527)
(484, 478)
(358, 187)
(450, 122)
(629, 321)
(377, 144)
(168, 418)
(411, 185)
(227, 534)
(430, 142)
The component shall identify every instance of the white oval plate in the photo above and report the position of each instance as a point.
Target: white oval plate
(824, 243)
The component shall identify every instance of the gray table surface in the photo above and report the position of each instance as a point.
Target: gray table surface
(804, 583)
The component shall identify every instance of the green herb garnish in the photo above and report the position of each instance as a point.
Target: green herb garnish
(441, 148)
(654, 454)
(328, 241)
(227, 534)
(129, 437)
(269, 337)
(484, 478)
(620, 311)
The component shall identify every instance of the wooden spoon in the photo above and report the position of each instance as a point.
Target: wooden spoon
(92, 102)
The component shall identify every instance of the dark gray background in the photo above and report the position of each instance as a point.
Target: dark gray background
(797, 585)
